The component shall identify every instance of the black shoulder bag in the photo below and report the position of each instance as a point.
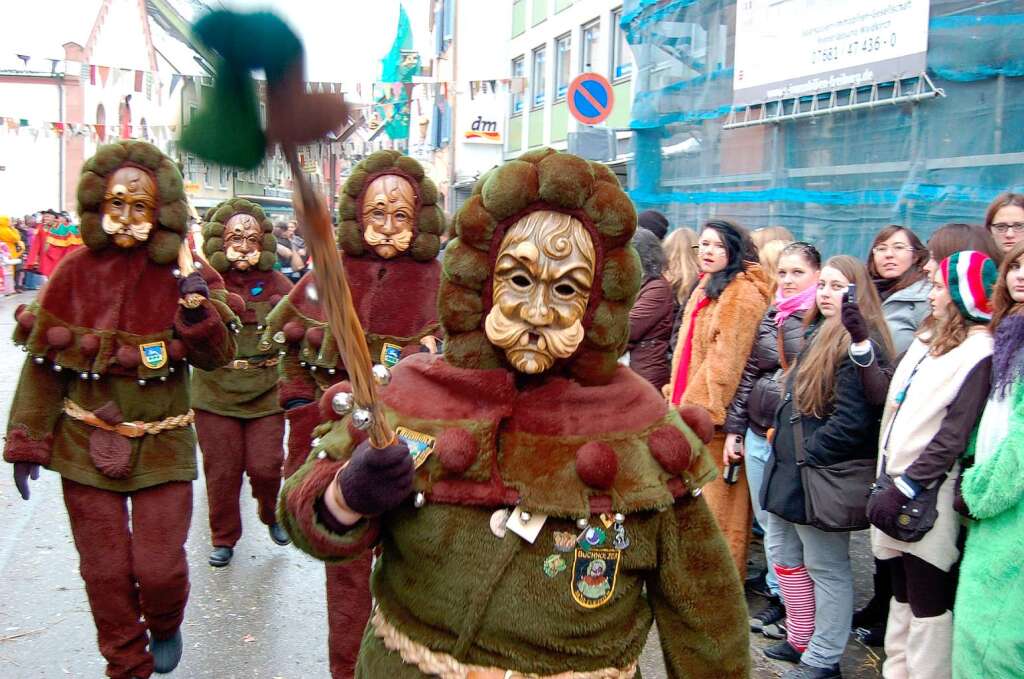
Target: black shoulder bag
(835, 495)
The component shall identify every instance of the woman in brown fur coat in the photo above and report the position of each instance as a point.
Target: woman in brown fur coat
(718, 328)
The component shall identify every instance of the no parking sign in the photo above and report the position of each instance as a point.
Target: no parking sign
(590, 98)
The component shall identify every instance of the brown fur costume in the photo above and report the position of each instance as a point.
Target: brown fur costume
(396, 300)
(87, 337)
(238, 420)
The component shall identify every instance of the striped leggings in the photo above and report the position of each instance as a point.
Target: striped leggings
(813, 567)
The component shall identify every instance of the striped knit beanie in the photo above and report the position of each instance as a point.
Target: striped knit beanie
(970, 276)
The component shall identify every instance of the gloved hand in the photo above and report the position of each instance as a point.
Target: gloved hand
(23, 471)
(854, 321)
(375, 481)
(193, 284)
(884, 508)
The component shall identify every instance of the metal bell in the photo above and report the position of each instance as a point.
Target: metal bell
(170, 369)
(582, 523)
(619, 517)
(302, 364)
(95, 377)
(381, 375)
(525, 517)
(342, 403)
(419, 500)
(142, 383)
(57, 368)
(312, 368)
(83, 376)
(331, 371)
(176, 273)
(38, 360)
(362, 419)
(322, 455)
(163, 378)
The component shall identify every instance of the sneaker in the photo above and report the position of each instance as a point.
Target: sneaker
(221, 556)
(771, 613)
(783, 651)
(279, 535)
(775, 630)
(804, 671)
(166, 652)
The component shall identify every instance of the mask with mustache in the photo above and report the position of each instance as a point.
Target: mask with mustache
(389, 215)
(243, 241)
(129, 206)
(542, 281)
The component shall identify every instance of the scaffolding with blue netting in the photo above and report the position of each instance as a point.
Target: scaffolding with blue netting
(835, 167)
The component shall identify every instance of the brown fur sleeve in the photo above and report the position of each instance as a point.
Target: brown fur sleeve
(697, 599)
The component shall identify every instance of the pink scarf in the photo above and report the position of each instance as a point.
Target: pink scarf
(787, 306)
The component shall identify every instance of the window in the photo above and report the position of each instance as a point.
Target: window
(444, 25)
(589, 35)
(101, 123)
(538, 84)
(225, 174)
(563, 65)
(622, 55)
(518, 71)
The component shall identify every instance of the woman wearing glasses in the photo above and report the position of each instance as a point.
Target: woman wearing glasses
(718, 328)
(896, 266)
(1005, 220)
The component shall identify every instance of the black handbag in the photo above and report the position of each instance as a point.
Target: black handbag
(916, 517)
(835, 495)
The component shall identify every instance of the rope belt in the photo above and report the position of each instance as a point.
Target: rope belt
(445, 666)
(244, 364)
(131, 430)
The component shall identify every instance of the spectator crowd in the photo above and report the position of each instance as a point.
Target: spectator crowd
(881, 392)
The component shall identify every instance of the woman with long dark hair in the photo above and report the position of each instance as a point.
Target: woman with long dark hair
(896, 266)
(824, 420)
(718, 328)
(780, 336)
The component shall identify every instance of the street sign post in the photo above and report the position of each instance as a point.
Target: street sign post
(590, 98)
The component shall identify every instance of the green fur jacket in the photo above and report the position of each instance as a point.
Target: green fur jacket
(107, 334)
(988, 641)
(626, 540)
(246, 387)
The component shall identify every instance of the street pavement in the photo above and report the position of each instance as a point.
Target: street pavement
(262, 617)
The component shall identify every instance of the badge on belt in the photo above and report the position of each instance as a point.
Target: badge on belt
(153, 354)
(390, 354)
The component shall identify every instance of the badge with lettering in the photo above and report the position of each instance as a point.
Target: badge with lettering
(553, 565)
(154, 354)
(594, 574)
(390, 353)
(420, 445)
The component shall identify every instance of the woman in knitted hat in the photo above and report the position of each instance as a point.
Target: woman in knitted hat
(935, 399)
(987, 637)
(551, 514)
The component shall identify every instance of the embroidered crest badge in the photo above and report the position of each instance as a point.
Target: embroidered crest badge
(154, 354)
(594, 573)
(420, 445)
(390, 353)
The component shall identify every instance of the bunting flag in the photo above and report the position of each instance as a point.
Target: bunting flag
(104, 74)
(175, 79)
(138, 81)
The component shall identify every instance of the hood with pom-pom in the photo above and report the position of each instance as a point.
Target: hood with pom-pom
(542, 180)
(172, 209)
(430, 221)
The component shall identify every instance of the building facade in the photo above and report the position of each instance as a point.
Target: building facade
(552, 42)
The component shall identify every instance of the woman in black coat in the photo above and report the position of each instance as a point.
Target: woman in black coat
(650, 319)
(752, 411)
(825, 418)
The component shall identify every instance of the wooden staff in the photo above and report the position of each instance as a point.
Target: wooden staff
(336, 298)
